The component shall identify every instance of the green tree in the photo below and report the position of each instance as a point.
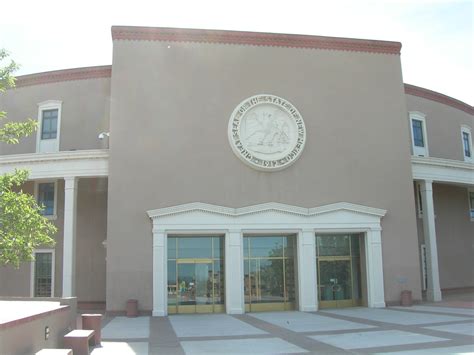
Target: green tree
(22, 227)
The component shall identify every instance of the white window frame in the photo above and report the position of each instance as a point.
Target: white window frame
(54, 216)
(467, 129)
(32, 268)
(419, 202)
(419, 151)
(471, 208)
(43, 106)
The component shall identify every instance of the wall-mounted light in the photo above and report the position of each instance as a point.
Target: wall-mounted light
(46, 333)
(102, 135)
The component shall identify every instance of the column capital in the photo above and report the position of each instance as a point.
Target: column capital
(234, 230)
(70, 182)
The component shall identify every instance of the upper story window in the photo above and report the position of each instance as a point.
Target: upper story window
(466, 138)
(46, 197)
(49, 123)
(418, 134)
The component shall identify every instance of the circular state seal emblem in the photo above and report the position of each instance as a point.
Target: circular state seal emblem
(267, 132)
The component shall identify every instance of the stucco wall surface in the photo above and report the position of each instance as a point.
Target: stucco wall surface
(170, 107)
(85, 112)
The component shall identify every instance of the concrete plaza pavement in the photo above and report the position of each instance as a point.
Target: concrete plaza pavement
(422, 329)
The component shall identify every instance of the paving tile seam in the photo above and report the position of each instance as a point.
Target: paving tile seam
(343, 331)
(431, 312)
(291, 337)
(227, 337)
(413, 347)
(381, 323)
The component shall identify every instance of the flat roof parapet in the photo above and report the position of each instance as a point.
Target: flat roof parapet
(164, 34)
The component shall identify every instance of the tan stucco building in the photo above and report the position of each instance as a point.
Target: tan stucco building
(220, 171)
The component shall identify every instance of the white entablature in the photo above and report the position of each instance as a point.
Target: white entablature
(268, 218)
(79, 163)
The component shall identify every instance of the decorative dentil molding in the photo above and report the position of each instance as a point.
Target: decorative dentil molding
(162, 34)
(104, 71)
(264, 207)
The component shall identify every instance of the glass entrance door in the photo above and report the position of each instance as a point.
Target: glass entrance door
(195, 284)
(338, 270)
(269, 273)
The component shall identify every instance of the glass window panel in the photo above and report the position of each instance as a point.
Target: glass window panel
(270, 280)
(49, 124)
(172, 283)
(171, 248)
(218, 247)
(467, 148)
(355, 245)
(204, 283)
(219, 290)
(46, 198)
(246, 247)
(43, 274)
(471, 202)
(333, 245)
(197, 247)
(418, 133)
(290, 280)
(186, 284)
(266, 246)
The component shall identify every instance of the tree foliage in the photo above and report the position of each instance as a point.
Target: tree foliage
(22, 227)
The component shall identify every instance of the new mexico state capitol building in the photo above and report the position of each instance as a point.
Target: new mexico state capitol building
(243, 172)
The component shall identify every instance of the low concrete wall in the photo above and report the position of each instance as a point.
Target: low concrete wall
(26, 335)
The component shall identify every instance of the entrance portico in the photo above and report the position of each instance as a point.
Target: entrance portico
(69, 166)
(268, 219)
(426, 172)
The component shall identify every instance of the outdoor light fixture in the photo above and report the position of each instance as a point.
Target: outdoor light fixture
(102, 135)
(46, 333)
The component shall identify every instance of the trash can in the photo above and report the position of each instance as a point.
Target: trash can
(406, 299)
(132, 308)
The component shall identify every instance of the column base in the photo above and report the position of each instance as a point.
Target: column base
(159, 314)
(433, 295)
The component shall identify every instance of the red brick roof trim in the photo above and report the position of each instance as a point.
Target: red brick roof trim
(104, 71)
(253, 39)
(436, 96)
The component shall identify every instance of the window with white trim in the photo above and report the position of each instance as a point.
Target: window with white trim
(419, 200)
(418, 134)
(466, 138)
(49, 123)
(46, 196)
(42, 273)
(471, 203)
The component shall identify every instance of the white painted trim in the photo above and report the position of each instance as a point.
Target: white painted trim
(54, 216)
(264, 207)
(81, 163)
(467, 129)
(442, 170)
(419, 151)
(32, 270)
(267, 218)
(43, 106)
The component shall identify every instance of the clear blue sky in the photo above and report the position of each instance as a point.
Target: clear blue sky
(437, 35)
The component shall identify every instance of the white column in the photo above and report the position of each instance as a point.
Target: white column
(69, 239)
(433, 293)
(160, 273)
(307, 281)
(234, 272)
(374, 265)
